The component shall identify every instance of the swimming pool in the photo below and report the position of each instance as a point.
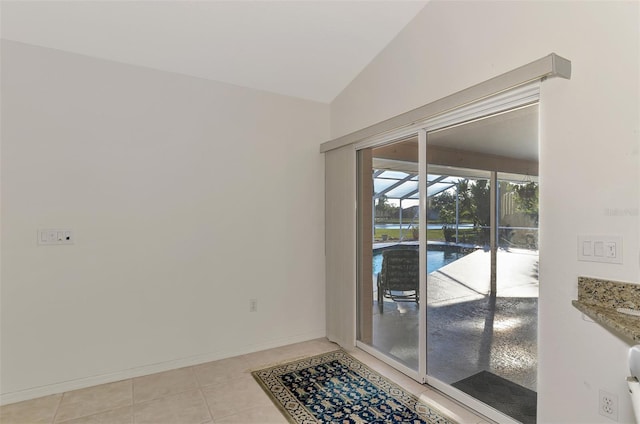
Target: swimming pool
(436, 259)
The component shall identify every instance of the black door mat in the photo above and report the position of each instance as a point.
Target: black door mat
(510, 398)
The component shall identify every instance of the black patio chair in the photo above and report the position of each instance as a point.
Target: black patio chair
(399, 279)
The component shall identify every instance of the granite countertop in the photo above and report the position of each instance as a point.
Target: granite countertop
(598, 299)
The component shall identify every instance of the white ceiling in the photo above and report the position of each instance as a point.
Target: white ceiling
(513, 134)
(307, 49)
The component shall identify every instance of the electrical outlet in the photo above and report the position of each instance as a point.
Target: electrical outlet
(608, 405)
(55, 237)
(253, 305)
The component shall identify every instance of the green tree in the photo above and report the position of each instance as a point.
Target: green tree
(445, 204)
(480, 203)
(526, 200)
(481, 207)
(384, 210)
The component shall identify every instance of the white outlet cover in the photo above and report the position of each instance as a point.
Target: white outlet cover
(608, 405)
(594, 248)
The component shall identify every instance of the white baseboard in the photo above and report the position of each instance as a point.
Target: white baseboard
(81, 383)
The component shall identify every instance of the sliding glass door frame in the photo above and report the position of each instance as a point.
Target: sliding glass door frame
(421, 375)
(422, 243)
(519, 97)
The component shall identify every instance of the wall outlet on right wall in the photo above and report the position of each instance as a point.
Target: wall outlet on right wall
(608, 405)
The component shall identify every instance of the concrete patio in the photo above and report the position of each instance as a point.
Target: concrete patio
(469, 330)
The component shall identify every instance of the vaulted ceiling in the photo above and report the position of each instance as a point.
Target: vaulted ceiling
(306, 49)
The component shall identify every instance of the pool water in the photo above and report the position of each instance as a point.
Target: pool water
(436, 259)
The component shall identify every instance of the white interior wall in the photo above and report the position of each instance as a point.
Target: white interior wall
(588, 155)
(187, 198)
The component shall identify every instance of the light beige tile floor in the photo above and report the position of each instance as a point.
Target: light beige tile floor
(216, 392)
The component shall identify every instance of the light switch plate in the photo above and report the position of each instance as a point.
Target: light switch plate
(607, 249)
(55, 236)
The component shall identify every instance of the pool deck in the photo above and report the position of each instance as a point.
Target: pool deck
(468, 329)
(469, 277)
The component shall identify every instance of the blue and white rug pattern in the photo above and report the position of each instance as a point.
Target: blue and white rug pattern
(337, 388)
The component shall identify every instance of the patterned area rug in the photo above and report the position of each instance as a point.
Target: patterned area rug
(337, 388)
(511, 398)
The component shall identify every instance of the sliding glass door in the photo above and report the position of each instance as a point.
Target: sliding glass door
(482, 295)
(388, 246)
(459, 258)
(447, 259)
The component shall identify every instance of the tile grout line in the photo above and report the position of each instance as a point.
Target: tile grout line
(179, 392)
(195, 374)
(55, 415)
(202, 388)
(206, 402)
(133, 393)
(198, 388)
(202, 396)
(133, 402)
(95, 412)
